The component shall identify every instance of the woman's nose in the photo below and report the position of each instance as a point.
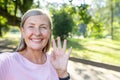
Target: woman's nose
(37, 32)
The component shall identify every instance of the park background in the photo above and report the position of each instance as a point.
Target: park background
(92, 27)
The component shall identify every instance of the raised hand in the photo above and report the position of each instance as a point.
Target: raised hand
(59, 58)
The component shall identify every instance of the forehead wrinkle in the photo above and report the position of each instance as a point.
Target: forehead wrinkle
(31, 23)
(43, 24)
(44, 20)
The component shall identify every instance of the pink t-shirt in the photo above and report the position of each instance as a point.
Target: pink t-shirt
(14, 66)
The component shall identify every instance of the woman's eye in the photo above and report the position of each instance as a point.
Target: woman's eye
(43, 27)
(30, 27)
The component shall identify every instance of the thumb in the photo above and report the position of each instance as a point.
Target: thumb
(69, 52)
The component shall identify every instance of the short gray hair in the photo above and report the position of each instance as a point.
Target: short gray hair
(29, 13)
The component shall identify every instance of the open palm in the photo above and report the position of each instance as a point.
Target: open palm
(59, 58)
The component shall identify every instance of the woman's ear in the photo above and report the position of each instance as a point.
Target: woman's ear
(22, 31)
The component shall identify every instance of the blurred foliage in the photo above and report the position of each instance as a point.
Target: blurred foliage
(63, 24)
(101, 17)
(83, 13)
(10, 12)
(106, 13)
(3, 26)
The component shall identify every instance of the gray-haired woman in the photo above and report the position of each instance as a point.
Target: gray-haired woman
(31, 60)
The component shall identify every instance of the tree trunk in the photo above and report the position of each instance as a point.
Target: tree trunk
(0, 30)
(112, 37)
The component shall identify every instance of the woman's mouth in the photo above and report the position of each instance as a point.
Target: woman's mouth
(36, 40)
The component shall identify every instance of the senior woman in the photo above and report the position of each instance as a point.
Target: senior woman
(31, 60)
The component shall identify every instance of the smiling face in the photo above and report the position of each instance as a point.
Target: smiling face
(36, 32)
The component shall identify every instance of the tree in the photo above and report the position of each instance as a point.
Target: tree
(63, 24)
(116, 16)
(100, 24)
(84, 17)
(112, 19)
(11, 10)
(107, 13)
(83, 13)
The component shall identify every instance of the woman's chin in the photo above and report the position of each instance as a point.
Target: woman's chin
(37, 48)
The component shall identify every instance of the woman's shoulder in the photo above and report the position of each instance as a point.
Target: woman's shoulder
(6, 56)
(5, 63)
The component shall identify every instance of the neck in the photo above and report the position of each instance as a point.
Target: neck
(34, 56)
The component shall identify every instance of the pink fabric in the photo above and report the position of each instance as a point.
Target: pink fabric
(14, 66)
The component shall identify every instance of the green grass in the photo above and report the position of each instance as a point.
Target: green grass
(101, 50)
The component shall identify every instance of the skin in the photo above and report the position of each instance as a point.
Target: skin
(59, 58)
(36, 33)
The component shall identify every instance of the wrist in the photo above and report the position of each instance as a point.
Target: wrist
(62, 74)
(65, 78)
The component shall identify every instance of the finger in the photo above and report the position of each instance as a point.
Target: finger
(54, 44)
(70, 51)
(64, 45)
(59, 43)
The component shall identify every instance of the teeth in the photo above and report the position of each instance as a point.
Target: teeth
(36, 40)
